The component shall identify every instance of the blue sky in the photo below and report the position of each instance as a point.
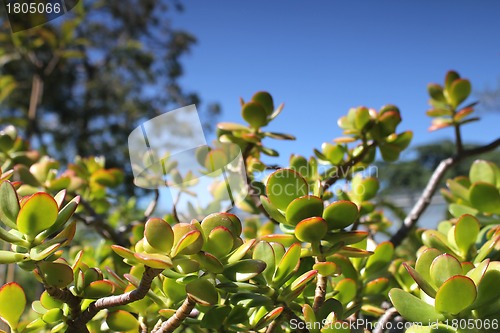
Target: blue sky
(322, 57)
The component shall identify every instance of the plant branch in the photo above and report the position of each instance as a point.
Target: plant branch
(36, 95)
(458, 139)
(321, 282)
(272, 327)
(429, 191)
(385, 319)
(124, 229)
(112, 301)
(67, 297)
(97, 222)
(151, 207)
(290, 315)
(344, 168)
(176, 320)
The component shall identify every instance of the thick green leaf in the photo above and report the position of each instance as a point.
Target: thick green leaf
(451, 76)
(377, 286)
(285, 240)
(436, 92)
(340, 214)
(303, 208)
(273, 212)
(483, 171)
(382, 256)
(187, 239)
(438, 112)
(220, 242)
(424, 261)
(347, 290)
(37, 213)
(12, 303)
(485, 197)
(265, 252)
(49, 302)
(458, 189)
(255, 114)
(269, 318)
(311, 229)
(185, 265)
(122, 321)
(421, 281)
(250, 300)
(9, 205)
(288, 264)
(240, 252)
(435, 239)
(202, 291)
(159, 234)
(210, 263)
(8, 257)
(279, 136)
(466, 232)
(53, 315)
(364, 188)
(413, 308)
(476, 273)
(227, 220)
(285, 185)
(456, 294)
(303, 280)
(232, 127)
(63, 216)
(98, 289)
(326, 268)
(214, 318)
(124, 253)
(154, 260)
(11, 237)
(458, 210)
(56, 274)
(443, 267)
(347, 237)
(265, 100)
(333, 153)
(244, 270)
(439, 328)
(459, 90)
(487, 288)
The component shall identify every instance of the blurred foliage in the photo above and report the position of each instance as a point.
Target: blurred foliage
(80, 84)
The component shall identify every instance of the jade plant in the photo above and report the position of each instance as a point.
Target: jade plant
(303, 252)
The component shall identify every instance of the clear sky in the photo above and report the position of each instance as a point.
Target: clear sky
(323, 57)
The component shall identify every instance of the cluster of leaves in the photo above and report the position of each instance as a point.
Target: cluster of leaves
(300, 258)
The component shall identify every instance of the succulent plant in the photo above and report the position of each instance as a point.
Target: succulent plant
(300, 254)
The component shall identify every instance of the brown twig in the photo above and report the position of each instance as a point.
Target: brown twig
(426, 197)
(176, 320)
(321, 282)
(112, 301)
(36, 95)
(67, 297)
(96, 221)
(386, 318)
(299, 323)
(152, 206)
(344, 168)
(274, 325)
